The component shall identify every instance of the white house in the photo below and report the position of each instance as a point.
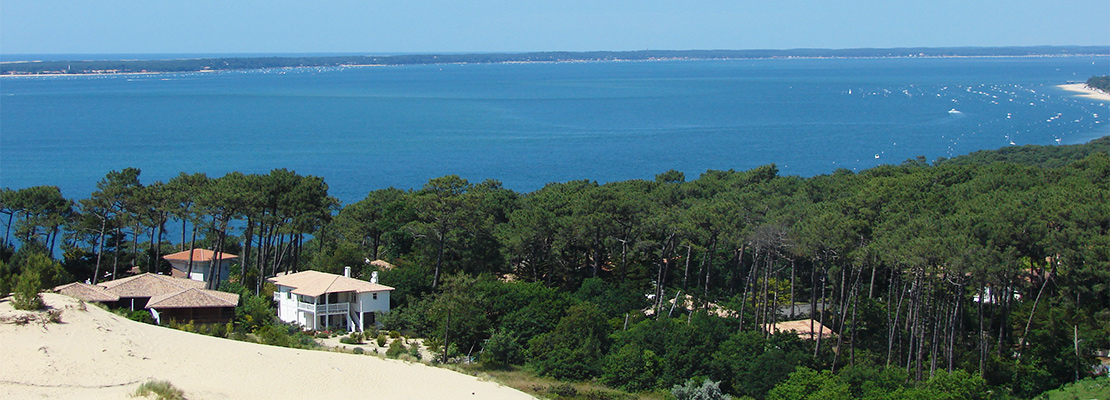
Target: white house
(202, 263)
(319, 300)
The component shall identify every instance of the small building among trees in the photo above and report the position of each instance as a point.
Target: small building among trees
(197, 264)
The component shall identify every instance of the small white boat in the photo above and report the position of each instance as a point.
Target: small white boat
(954, 111)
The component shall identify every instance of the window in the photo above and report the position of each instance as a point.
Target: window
(375, 296)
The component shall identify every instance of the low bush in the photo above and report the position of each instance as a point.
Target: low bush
(563, 390)
(708, 390)
(145, 317)
(358, 350)
(381, 340)
(284, 336)
(396, 348)
(162, 389)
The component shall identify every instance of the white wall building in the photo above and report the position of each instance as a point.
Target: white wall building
(318, 300)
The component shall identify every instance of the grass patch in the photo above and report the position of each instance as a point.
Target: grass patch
(1089, 388)
(163, 389)
(547, 388)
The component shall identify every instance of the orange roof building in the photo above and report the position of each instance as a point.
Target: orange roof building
(202, 261)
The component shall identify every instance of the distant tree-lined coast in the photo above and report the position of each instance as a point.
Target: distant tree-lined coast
(242, 63)
(1100, 82)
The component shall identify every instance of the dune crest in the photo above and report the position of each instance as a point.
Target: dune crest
(94, 354)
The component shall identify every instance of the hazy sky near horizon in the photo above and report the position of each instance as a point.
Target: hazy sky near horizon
(281, 26)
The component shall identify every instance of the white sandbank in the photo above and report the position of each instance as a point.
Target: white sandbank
(94, 354)
(1087, 91)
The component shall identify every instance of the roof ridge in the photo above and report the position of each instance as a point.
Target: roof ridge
(328, 288)
(206, 292)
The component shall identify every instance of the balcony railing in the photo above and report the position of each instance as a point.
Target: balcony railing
(324, 309)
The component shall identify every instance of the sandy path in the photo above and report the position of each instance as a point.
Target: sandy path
(95, 354)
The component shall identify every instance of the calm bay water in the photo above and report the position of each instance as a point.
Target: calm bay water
(530, 124)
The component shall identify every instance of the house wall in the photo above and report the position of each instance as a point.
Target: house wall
(369, 304)
(287, 306)
(207, 315)
(200, 269)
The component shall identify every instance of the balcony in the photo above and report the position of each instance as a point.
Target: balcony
(324, 309)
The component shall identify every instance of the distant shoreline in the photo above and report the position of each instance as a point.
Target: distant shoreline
(180, 65)
(1085, 91)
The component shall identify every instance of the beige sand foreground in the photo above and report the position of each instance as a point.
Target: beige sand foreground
(1086, 91)
(94, 354)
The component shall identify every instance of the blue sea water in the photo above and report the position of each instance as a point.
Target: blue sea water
(368, 128)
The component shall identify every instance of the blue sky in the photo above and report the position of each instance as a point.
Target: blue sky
(280, 26)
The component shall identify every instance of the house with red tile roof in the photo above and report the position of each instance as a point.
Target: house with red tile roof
(197, 264)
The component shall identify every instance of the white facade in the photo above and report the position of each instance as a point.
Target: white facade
(345, 305)
(200, 269)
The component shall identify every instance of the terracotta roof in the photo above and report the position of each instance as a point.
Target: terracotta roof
(383, 265)
(801, 327)
(193, 298)
(198, 255)
(316, 283)
(148, 285)
(86, 292)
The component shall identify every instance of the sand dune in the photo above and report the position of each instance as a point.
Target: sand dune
(94, 354)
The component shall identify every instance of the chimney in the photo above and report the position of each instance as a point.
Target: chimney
(347, 272)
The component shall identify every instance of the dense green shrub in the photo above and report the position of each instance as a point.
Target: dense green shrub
(807, 384)
(1097, 387)
(632, 368)
(501, 349)
(26, 293)
(7, 278)
(574, 349)
(396, 348)
(358, 350)
(254, 311)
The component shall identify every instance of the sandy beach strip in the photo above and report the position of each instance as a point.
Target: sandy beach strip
(1086, 91)
(94, 354)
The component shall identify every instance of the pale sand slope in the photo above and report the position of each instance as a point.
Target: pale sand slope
(1086, 91)
(95, 354)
